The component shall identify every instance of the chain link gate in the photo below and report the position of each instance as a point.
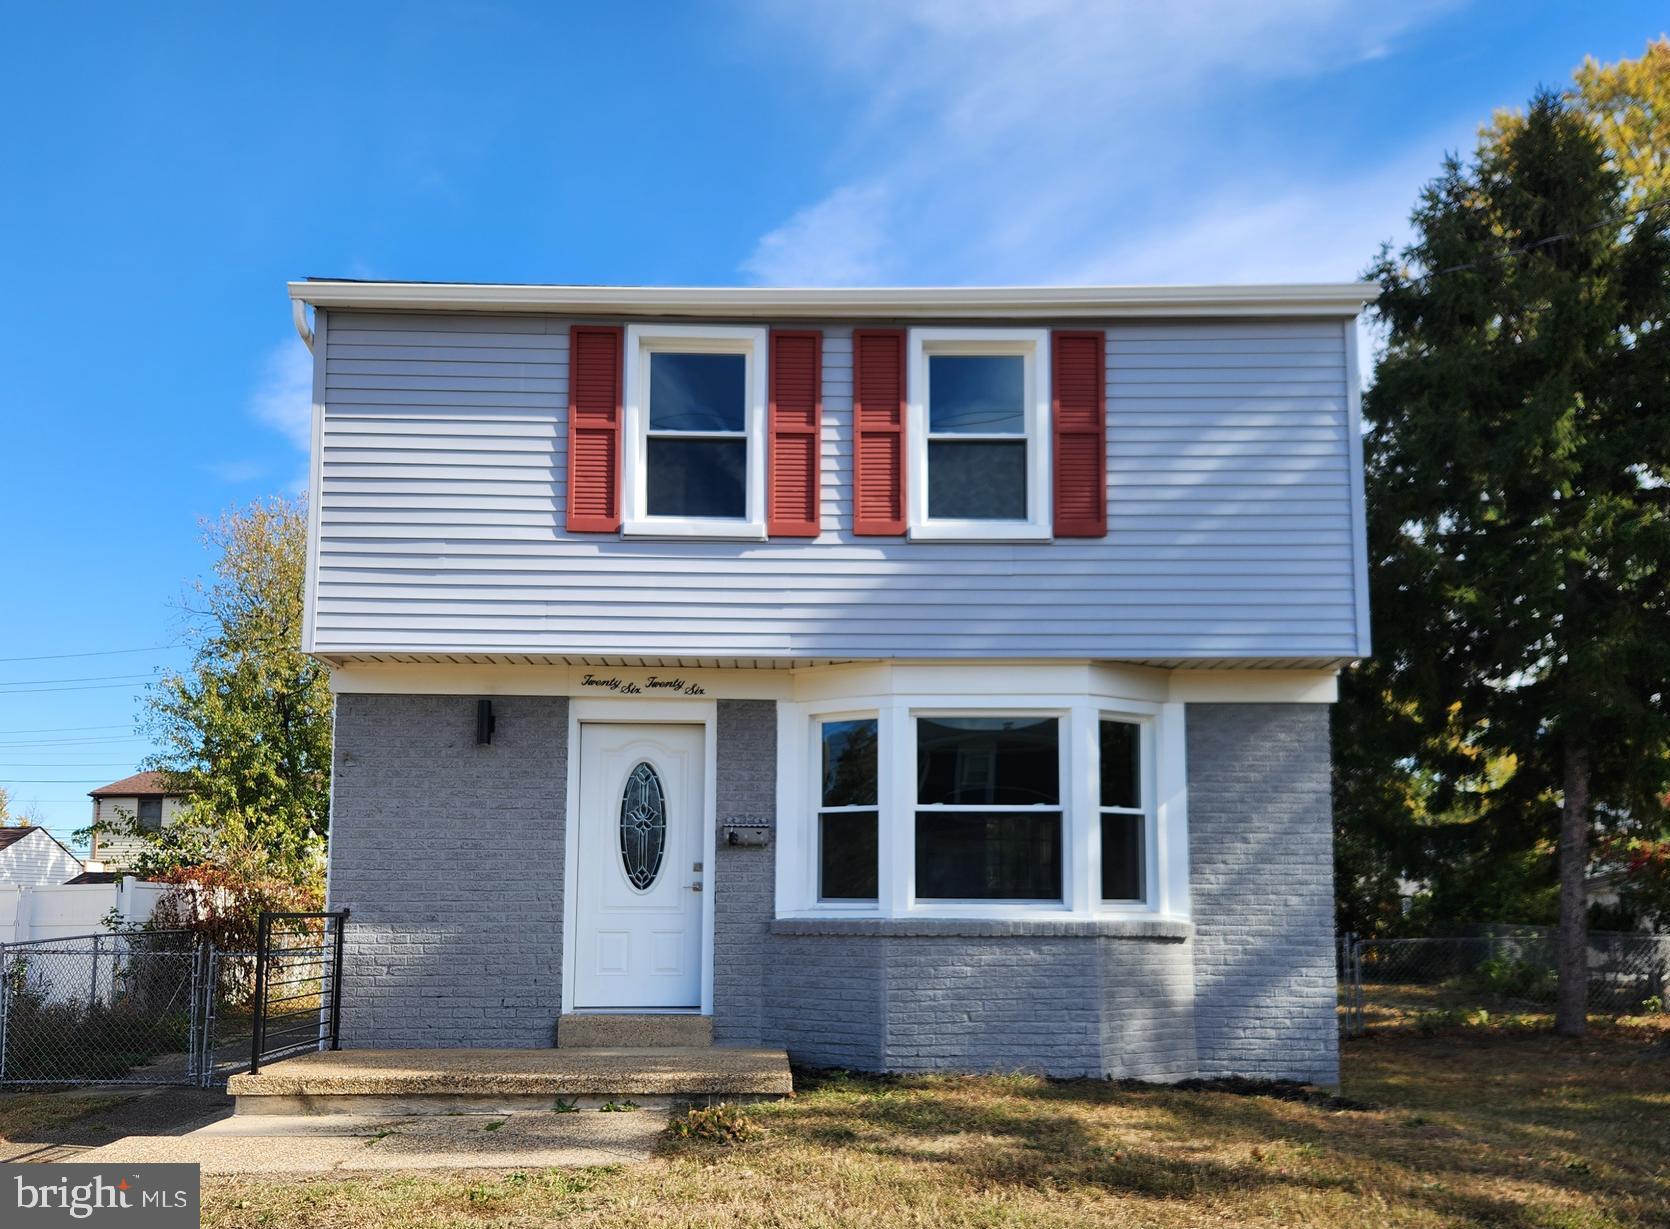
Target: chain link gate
(163, 1007)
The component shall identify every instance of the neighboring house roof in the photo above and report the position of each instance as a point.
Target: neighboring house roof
(12, 835)
(140, 785)
(96, 877)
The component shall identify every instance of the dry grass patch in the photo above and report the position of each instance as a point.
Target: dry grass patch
(1475, 1128)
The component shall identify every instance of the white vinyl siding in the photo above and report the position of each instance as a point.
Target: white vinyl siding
(443, 494)
(36, 861)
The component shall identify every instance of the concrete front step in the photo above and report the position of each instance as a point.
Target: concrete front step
(589, 1031)
(501, 1081)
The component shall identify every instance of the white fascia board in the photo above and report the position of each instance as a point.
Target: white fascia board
(1337, 300)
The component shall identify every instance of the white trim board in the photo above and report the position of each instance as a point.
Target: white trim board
(818, 683)
(1325, 299)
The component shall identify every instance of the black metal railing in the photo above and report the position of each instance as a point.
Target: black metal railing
(297, 1004)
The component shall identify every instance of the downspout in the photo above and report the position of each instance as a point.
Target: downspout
(298, 313)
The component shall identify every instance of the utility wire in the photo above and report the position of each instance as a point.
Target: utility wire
(1525, 249)
(62, 764)
(29, 691)
(46, 781)
(155, 648)
(75, 678)
(68, 729)
(71, 738)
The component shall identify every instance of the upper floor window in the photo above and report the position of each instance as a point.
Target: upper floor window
(150, 815)
(695, 419)
(979, 464)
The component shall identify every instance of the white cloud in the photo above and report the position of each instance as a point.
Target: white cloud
(284, 398)
(1316, 232)
(837, 242)
(1006, 140)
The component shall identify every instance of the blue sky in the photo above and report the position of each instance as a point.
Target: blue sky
(168, 167)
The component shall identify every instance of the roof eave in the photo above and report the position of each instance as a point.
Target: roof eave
(1325, 299)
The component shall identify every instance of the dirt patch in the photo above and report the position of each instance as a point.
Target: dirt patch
(1280, 1090)
(84, 1118)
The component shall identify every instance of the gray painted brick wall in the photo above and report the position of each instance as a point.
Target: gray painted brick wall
(1262, 877)
(450, 857)
(743, 878)
(994, 1004)
(1148, 1006)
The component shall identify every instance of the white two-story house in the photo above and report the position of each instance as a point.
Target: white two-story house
(923, 678)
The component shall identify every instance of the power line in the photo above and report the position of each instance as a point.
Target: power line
(1526, 249)
(47, 781)
(155, 648)
(68, 729)
(29, 691)
(15, 744)
(114, 764)
(75, 678)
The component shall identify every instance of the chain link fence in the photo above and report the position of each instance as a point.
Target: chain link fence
(1504, 970)
(163, 1007)
(112, 1008)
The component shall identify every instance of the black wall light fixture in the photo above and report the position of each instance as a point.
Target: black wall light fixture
(484, 722)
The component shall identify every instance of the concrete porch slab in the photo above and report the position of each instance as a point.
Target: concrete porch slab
(452, 1081)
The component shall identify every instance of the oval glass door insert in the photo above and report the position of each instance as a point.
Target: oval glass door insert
(643, 827)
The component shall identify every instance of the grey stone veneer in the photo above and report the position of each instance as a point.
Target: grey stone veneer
(451, 854)
(450, 857)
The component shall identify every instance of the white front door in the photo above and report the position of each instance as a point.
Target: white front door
(638, 841)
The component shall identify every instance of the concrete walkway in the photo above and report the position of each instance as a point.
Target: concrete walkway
(346, 1143)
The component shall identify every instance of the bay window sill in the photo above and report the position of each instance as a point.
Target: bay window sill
(1156, 928)
(679, 527)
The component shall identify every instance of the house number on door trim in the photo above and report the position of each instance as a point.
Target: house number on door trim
(643, 826)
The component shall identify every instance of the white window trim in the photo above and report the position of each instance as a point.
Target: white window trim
(642, 340)
(1034, 346)
(1164, 795)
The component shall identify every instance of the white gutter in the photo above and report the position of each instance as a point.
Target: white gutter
(298, 313)
(1325, 299)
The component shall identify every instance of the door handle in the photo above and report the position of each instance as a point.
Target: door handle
(696, 885)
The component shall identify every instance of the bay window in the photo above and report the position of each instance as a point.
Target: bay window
(942, 808)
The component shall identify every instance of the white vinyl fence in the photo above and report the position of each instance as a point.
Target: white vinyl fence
(57, 912)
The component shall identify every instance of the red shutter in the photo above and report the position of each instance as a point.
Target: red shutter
(878, 431)
(795, 415)
(594, 427)
(1079, 415)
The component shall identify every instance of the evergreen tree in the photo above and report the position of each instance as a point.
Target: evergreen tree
(1518, 464)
